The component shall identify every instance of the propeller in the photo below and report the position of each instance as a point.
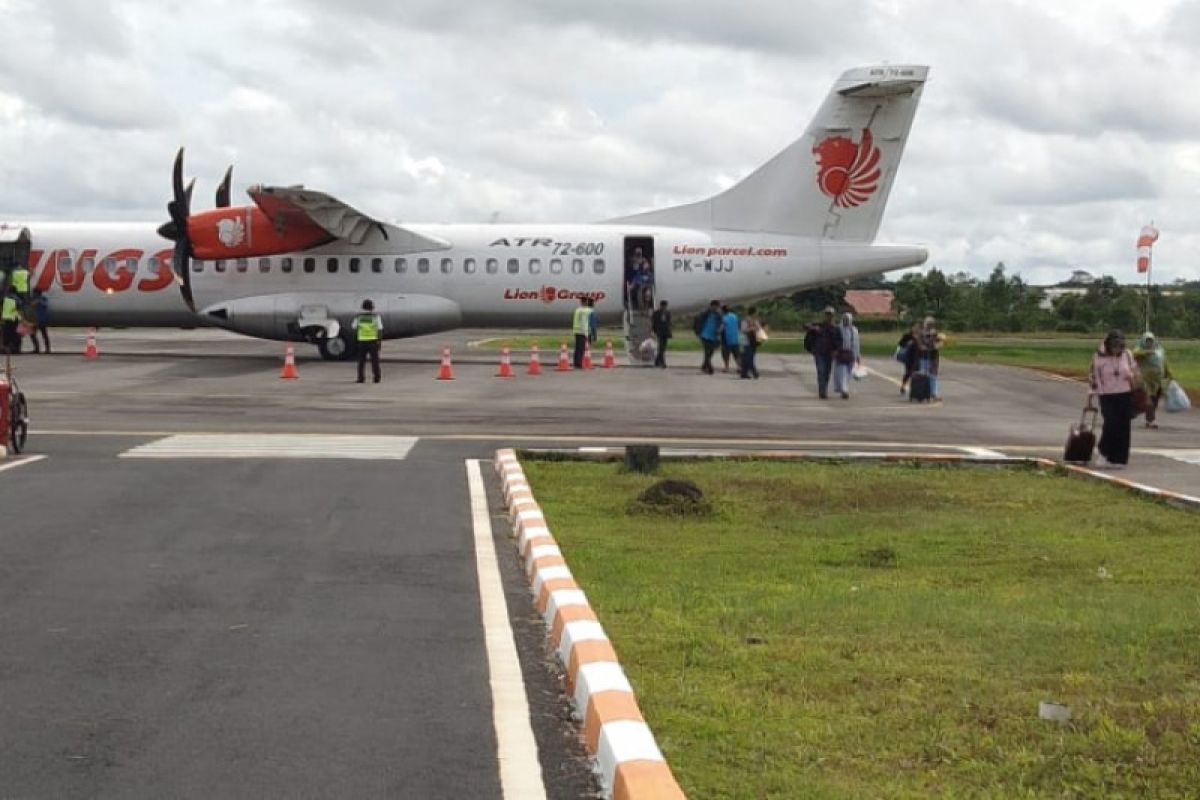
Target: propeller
(223, 189)
(179, 208)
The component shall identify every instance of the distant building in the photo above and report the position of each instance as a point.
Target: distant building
(877, 303)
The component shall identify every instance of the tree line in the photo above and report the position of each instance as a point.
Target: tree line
(1006, 303)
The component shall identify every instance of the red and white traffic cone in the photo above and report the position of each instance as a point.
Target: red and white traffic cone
(587, 355)
(610, 360)
(535, 364)
(564, 362)
(445, 372)
(91, 352)
(505, 365)
(289, 365)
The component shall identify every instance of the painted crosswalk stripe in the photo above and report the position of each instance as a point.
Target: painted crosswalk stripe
(1186, 456)
(276, 445)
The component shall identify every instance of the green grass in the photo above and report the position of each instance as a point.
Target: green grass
(869, 631)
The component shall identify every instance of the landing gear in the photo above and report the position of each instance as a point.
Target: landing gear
(337, 348)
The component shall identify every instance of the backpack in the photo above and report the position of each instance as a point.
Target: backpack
(810, 339)
(698, 322)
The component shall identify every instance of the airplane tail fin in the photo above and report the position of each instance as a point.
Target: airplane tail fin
(833, 182)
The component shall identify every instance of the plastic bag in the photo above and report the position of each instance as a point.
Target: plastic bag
(859, 372)
(1177, 399)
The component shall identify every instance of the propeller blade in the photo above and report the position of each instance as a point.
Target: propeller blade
(223, 189)
(187, 196)
(181, 264)
(181, 204)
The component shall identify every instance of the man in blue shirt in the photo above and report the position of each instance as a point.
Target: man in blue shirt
(730, 345)
(708, 327)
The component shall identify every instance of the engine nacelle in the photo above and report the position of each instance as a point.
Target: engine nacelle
(247, 232)
(278, 316)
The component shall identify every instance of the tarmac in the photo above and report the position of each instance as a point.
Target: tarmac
(214, 582)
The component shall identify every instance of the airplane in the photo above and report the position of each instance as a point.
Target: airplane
(298, 263)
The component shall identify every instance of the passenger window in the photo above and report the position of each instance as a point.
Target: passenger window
(243, 264)
(110, 267)
(514, 266)
(493, 266)
(447, 265)
(152, 265)
(286, 264)
(377, 265)
(310, 265)
(469, 266)
(331, 265)
(264, 265)
(577, 266)
(535, 266)
(355, 264)
(598, 266)
(401, 265)
(219, 265)
(64, 268)
(197, 265)
(422, 265)
(555, 266)
(88, 264)
(131, 264)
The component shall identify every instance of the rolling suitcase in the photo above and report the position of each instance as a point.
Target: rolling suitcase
(1081, 441)
(919, 388)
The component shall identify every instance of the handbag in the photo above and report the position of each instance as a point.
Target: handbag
(859, 372)
(1141, 400)
(1176, 399)
(760, 336)
(844, 356)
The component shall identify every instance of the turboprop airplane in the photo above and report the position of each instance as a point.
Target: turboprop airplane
(297, 264)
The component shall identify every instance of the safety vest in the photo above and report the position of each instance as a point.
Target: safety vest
(580, 324)
(20, 280)
(366, 327)
(8, 311)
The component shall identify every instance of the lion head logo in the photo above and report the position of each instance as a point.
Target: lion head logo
(548, 294)
(231, 231)
(847, 172)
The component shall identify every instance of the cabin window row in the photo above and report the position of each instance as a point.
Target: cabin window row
(423, 266)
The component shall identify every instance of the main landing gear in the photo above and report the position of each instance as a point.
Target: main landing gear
(336, 348)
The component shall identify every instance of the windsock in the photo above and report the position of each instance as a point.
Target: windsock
(1146, 240)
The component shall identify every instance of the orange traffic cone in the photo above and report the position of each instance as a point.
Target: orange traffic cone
(289, 365)
(610, 360)
(587, 355)
(564, 363)
(535, 364)
(445, 373)
(505, 365)
(91, 353)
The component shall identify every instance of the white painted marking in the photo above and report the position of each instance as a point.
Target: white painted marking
(20, 462)
(279, 445)
(516, 748)
(879, 374)
(597, 677)
(563, 598)
(1186, 456)
(983, 452)
(621, 741)
(575, 632)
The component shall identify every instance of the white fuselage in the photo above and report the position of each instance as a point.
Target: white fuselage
(491, 275)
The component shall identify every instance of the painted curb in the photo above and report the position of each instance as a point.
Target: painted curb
(630, 765)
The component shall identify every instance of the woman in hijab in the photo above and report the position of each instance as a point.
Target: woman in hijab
(1152, 363)
(1113, 377)
(847, 357)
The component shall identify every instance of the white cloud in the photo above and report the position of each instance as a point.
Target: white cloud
(1049, 133)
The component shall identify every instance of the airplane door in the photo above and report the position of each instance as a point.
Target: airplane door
(639, 297)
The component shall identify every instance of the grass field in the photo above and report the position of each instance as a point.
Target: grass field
(869, 631)
(1062, 355)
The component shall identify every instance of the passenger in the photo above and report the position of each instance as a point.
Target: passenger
(1113, 377)
(754, 333)
(823, 339)
(929, 355)
(41, 319)
(848, 356)
(1152, 364)
(10, 318)
(729, 338)
(368, 330)
(660, 326)
(906, 354)
(637, 285)
(581, 326)
(593, 321)
(708, 328)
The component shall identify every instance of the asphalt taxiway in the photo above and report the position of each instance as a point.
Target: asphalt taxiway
(218, 583)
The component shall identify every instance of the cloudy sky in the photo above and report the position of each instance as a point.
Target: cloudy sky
(1048, 135)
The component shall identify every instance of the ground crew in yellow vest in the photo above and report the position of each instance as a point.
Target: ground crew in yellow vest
(368, 330)
(20, 281)
(10, 317)
(581, 326)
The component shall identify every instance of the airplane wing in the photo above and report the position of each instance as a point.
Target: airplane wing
(292, 207)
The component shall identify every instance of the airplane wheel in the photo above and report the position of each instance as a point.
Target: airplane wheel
(339, 348)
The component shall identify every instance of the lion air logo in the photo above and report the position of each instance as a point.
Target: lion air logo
(231, 231)
(548, 294)
(847, 172)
